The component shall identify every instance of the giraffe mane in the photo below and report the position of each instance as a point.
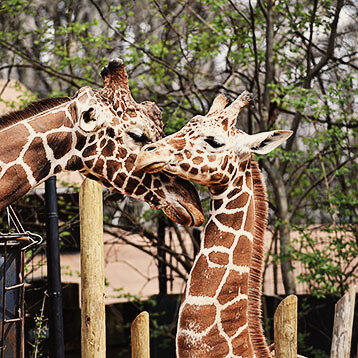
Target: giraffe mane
(30, 110)
(255, 277)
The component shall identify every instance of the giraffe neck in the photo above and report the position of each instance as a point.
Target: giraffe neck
(32, 150)
(213, 318)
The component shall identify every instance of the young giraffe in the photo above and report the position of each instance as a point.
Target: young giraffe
(220, 312)
(99, 133)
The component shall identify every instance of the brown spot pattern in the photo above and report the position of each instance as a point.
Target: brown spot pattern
(102, 142)
(112, 167)
(248, 180)
(89, 163)
(218, 203)
(197, 160)
(178, 143)
(230, 288)
(233, 192)
(225, 161)
(218, 344)
(131, 185)
(13, 185)
(74, 163)
(122, 152)
(233, 221)
(129, 163)
(239, 202)
(238, 182)
(119, 180)
(10, 150)
(98, 167)
(35, 158)
(230, 168)
(48, 121)
(60, 143)
(241, 344)
(91, 150)
(233, 317)
(242, 251)
(140, 190)
(109, 148)
(185, 166)
(250, 222)
(179, 157)
(205, 280)
(220, 258)
(203, 316)
(81, 141)
(57, 169)
(187, 153)
(194, 171)
(216, 177)
(213, 236)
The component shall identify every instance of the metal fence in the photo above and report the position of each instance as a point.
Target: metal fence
(13, 246)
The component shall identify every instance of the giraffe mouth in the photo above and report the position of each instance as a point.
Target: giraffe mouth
(154, 167)
(186, 209)
(185, 214)
(180, 214)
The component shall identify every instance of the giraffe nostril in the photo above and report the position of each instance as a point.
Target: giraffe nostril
(150, 148)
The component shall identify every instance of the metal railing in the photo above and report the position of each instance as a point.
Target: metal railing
(13, 246)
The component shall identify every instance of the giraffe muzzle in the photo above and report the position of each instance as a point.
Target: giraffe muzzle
(152, 161)
(154, 167)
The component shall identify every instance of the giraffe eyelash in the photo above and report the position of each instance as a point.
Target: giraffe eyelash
(214, 143)
(139, 138)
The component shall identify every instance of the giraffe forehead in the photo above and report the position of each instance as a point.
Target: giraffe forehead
(131, 116)
(205, 126)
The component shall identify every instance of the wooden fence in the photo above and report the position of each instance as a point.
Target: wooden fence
(93, 331)
(93, 321)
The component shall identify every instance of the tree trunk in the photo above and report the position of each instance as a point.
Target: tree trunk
(288, 278)
(269, 55)
(279, 189)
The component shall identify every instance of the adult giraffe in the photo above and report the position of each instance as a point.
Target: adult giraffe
(220, 312)
(97, 132)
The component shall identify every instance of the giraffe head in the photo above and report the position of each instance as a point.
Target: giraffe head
(113, 128)
(209, 149)
(99, 133)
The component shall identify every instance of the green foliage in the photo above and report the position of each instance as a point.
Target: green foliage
(329, 258)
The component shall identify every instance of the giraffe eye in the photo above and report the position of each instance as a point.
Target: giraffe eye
(213, 142)
(139, 138)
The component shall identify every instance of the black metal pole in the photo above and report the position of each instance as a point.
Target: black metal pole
(162, 267)
(54, 272)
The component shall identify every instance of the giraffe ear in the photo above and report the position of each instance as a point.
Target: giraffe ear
(91, 119)
(88, 120)
(265, 142)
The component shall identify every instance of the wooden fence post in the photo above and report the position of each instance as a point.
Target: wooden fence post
(285, 328)
(93, 323)
(140, 336)
(343, 324)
